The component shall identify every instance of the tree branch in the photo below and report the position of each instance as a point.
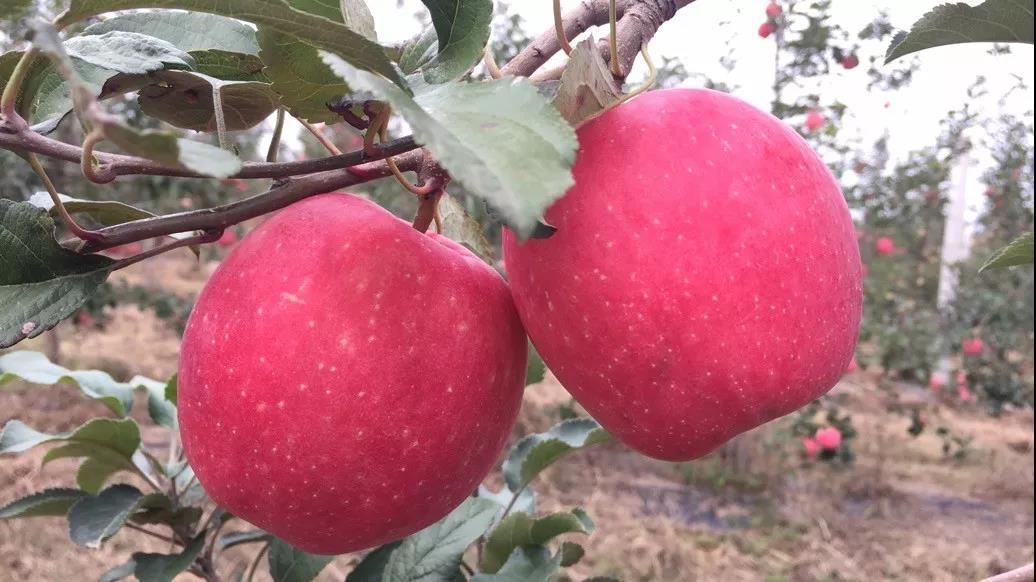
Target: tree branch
(114, 165)
(221, 217)
(639, 20)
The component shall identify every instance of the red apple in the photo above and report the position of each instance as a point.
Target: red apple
(850, 61)
(884, 246)
(678, 302)
(829, 438)
(815, 120)
(766, 29)
(773, 10)
(346, 380)
(810, 447)
(228, 238)
(973, 346)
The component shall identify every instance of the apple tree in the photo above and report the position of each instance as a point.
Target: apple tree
(348, 379)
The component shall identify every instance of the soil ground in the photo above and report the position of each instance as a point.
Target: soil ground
(754, 510)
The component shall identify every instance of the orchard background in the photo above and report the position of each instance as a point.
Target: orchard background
(928, 473)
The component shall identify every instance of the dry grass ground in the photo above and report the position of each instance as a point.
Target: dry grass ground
(752, 511)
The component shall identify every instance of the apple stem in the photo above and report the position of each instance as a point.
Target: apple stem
(559, 27)
(79, 231)
(428, 210)
(275, 139)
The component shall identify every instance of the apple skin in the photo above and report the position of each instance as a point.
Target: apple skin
(850, 62)
(704, 279)
(766, 29)
(346, 380)
(773, 10)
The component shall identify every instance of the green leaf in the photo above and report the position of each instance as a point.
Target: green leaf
(161, 410)
(462, 28)
(1018, 252)
(93, 472)
(159, 508)
(118, 572)
(189, 31)
(358, 17)
(587, 85)
(434, 553)
(526, 564)
(521, 529)
(418, 51)
(537, 451)
(184, 99)
(49, 502)
(41, 283)
(168, 148)
(127, 52)
(34, 367)
(457, 225)
(990, 21)
(372, 567)
(120, 437)
(535, 369)
(165, 567)
(304, 83)
(571, 553)
(290, 564)
(103, 212)
(238, 538)
(171, 390)
(92, 520)
(275, 14)
(230, 66)
(500, 139)
(222, 47)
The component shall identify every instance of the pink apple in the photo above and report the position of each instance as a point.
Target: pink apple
(773, 10)
(973, 346)
(850, 61)
(680, 316)
(810, 447)
(766, 29)
(829, 438)
(815, 120)
(884, 246)
(346, 380)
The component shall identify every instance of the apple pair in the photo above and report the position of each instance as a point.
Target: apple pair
(346, 380)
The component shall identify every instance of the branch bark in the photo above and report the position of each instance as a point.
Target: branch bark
(221, 217)
(639, 20)
(114, 165)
